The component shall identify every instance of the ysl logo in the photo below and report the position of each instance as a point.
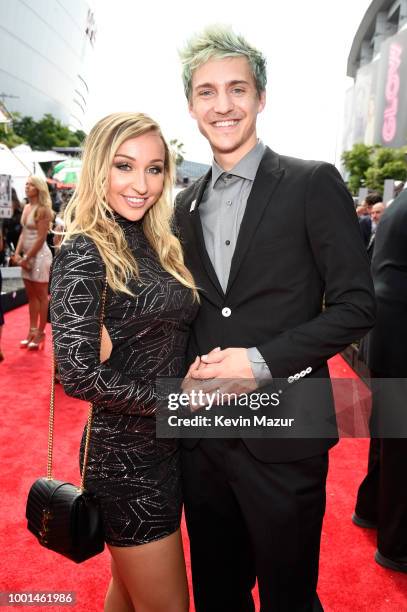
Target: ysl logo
(46, 516)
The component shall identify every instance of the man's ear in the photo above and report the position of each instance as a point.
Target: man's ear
(191, 110)
(262, 101)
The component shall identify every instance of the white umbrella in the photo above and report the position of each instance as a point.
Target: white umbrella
(11, 164)
(29, 158)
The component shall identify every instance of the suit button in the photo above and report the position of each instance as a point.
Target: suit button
(302, 373)
(290, 379)
(308, 370)
(296, 376)
(226, 312)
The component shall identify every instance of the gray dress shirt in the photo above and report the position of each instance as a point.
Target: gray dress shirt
(221, 211)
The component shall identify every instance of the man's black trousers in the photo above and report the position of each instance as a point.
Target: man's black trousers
(248, 519)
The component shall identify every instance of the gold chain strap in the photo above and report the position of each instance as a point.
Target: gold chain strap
(90, 413)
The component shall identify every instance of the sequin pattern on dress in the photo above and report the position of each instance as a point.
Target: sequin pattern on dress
(135, 475)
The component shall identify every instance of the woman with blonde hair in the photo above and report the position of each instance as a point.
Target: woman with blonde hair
(36, 260)
(117, 230)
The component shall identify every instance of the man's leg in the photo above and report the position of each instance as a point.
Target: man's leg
(368, 493)
(392, 527)
(222, 561)
(283, 505)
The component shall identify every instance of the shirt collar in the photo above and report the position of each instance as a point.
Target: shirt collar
(246, 168)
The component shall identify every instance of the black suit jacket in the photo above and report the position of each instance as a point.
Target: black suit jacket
(387, 354)
(365, 224)
(299, 244)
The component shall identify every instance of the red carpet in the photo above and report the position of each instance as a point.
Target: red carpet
(350, 580)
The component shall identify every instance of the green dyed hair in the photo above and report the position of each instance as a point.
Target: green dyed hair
(218, 42)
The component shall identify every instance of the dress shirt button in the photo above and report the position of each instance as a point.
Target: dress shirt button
(228, 202)
(227, 242)
(226, 312)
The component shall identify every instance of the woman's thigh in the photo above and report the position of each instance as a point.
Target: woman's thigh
(40, 290)
(154, 574)
(30, 289)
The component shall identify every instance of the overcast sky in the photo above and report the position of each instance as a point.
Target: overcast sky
(136, 66)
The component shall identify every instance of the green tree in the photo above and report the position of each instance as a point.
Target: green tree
(46, 133)
(376, 175)
(357, 161)
(8, 136)
(177, 148)
(371, 166)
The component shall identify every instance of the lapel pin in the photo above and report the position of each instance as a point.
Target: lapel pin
(192, 207)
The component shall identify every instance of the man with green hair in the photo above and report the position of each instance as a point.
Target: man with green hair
(269, 239)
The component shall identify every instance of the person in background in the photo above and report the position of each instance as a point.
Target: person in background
(35, 258)
(375, 215)
(398, 188)
(361, 210)
(12, 226)
(1, 307)
(56, 207)
(57, 237)
(118, 231)
(55, 198)
(3, 261)
(382, 496)
(58, 231)
(365, 221)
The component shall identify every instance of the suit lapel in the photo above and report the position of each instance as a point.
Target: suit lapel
(267, 178)
(200, 241)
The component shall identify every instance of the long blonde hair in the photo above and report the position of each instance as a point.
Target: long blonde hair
(89, 212)
(44, 199)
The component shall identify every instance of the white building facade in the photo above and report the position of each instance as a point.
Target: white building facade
(375, 111)
(46, 50)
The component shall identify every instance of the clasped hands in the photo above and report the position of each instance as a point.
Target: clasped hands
(24, 263)
(218, 373)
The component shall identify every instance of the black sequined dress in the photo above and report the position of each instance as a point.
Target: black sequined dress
(135, 475)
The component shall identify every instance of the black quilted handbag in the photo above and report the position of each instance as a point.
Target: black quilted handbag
(66, 518)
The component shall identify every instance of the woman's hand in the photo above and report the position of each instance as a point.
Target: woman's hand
(15, 260)
(192, 369)
(25, 263)
(193, 387)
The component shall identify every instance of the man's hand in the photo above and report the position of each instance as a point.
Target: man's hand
(229, 371)
(229, 363)
(191, 384)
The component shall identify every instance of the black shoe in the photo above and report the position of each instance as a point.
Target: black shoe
(361, 522)
(397, 566)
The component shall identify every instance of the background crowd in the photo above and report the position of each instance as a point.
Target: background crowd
(369, 211)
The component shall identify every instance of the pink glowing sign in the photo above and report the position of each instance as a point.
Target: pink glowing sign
(389, 128)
